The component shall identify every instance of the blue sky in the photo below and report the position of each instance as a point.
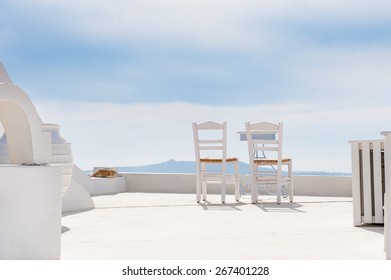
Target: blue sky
(110, 72)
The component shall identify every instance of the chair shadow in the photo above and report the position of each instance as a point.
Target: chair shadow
(207, 205)
(287, 207)
(64, 229)
(376, 228)
(76, 212)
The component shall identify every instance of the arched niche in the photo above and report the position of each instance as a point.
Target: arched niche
(18, 132)
(25, 140)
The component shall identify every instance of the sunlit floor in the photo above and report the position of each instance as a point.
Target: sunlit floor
(140, 226)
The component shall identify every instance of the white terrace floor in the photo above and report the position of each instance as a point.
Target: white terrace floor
(140, 226)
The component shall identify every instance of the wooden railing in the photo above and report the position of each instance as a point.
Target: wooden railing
(368, 183)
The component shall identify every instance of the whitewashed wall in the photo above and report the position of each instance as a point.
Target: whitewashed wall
(30, 212)
(185, 183)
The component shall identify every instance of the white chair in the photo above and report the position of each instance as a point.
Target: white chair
(210, 141)
(266, 162)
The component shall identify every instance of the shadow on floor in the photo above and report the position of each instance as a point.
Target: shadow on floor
(282, 207)
(376, 228)
(65, 229)
(207, 205)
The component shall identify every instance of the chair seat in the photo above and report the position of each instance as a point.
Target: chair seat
(270, 161)
(218, 160)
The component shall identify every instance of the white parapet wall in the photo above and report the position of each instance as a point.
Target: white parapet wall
(30, 212)
(102, 186)
(338, 186)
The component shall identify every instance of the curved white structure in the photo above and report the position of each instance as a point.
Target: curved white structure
(29, 141)
(26, 142)
(36, 166)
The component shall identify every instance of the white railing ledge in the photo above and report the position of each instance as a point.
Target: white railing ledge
(360, 141)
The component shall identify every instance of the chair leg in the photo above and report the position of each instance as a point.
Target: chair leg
(237, 186)
(237, 183)
(254, 186)
(223, 189)
(290, 174)
(204, 184)
(204, 189)
(279, 186)
(198, 188)
(254, 190)
(279, 196)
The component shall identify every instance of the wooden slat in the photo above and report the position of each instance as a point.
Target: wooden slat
(265, 148)
(366, 183)
(264, 126)
(266, 142)
(377, 183)
(356, 192)
(210, 141)
(210, 126)
(211, 148)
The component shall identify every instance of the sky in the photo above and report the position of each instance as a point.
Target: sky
(125, 79)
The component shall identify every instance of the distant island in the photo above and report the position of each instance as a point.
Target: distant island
(174, 166)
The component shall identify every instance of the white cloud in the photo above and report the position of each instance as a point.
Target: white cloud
(220, 24)
(343, 77)
(257, 47)
(341, 90)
